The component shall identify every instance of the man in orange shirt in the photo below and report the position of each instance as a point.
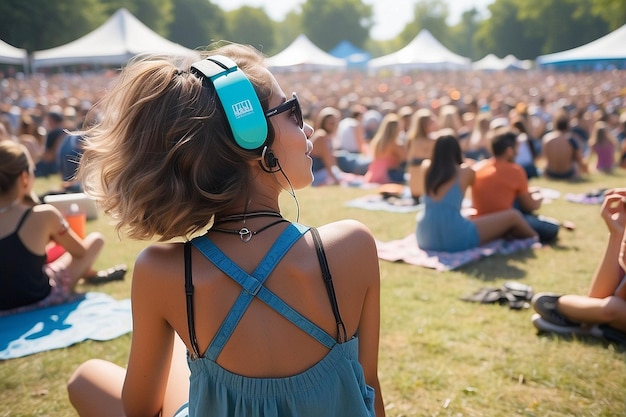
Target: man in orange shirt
(501, 184)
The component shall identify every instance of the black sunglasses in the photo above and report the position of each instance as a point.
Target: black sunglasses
(292, 105)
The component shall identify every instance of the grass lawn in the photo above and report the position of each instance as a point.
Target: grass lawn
(439, 356)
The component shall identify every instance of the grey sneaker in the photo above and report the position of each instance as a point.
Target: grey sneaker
(546, 305)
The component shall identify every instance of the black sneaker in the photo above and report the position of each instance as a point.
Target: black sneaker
(546, 305)
(115, 273)
(544, 325)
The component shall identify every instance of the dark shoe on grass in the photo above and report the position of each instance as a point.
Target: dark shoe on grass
(115, 273)
(613, 334)
(544, 325)
(546, 305)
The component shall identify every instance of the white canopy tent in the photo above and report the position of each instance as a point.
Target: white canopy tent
(116, 41)
(492, 63)
(610, 48)
(423, 52)
(303, 53)
(9, 54)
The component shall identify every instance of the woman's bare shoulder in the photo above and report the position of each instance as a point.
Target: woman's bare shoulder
(159, 263)
(344, 229)
(351, 251)
(46, 214)
(349, 239)
(45, 209)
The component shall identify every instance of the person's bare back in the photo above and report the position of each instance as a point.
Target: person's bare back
(560, 152)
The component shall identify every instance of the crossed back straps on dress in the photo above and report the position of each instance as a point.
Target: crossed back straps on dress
(252, 286)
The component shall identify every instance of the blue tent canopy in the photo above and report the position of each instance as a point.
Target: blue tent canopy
(354, 56)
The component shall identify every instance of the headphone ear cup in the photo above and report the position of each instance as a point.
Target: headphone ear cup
(237, 98)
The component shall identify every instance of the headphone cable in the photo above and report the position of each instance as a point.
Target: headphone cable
(290, 191)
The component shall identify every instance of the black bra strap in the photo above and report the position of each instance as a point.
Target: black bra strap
(189, 294)
(23, 219)
(342, 335)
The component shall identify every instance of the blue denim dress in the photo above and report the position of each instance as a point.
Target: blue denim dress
(333, 387)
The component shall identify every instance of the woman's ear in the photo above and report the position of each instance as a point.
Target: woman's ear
(25, 178)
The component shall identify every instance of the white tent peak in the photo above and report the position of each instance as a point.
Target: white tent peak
(492, 63)
(424, 51)
(303, 52)
(116, 41)
(608, 47)
(9, 54)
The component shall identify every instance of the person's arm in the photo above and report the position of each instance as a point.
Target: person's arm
(152, 342)
(528, 199)
(466, 177)
(359, 134)
(369, 323)
(528, 202)
(353, 262)
(609, 272)
(322, 148)
(580, 160)
(60, 232)
(399, 151)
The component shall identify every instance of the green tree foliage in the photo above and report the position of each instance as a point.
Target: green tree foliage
(430, 15)
(611, 11)
(287, 30)
(42, 24)
(528, 28)
(328, 22)
(156, 14)
(197, 23)
(463, 34)
(252, 26)
(560, 24)
(546, 19)
(501, 34)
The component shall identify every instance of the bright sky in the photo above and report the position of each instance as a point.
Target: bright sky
(390, 16)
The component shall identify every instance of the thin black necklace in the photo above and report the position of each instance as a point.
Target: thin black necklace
(244, 216)
(244, 233)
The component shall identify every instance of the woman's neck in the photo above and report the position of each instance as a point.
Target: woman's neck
(252, 206)
(6, 206)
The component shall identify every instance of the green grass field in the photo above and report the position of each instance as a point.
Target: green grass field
(439, 356)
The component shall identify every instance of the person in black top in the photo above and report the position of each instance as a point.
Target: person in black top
(26, 230)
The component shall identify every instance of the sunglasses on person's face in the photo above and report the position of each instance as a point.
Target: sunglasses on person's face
(292, 105)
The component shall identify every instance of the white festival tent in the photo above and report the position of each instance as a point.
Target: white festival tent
(423, 52)
(492, 63)
(9, 54)
(609, 48)
(304, 54)
(117, 40)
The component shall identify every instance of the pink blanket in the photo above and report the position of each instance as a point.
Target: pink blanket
(406, 250)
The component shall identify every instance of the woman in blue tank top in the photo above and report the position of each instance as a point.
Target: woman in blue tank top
(441, 226)
(278, 319)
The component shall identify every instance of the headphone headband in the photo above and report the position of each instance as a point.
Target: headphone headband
(238, 100)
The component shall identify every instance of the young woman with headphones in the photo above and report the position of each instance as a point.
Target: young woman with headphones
(277, 318)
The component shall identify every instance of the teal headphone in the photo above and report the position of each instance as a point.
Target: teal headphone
(238, 99)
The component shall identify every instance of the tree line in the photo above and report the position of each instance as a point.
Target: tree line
(525, 28)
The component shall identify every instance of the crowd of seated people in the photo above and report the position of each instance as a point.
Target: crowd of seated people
(554, 130)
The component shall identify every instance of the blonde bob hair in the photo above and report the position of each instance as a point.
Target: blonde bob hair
(162, 161)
